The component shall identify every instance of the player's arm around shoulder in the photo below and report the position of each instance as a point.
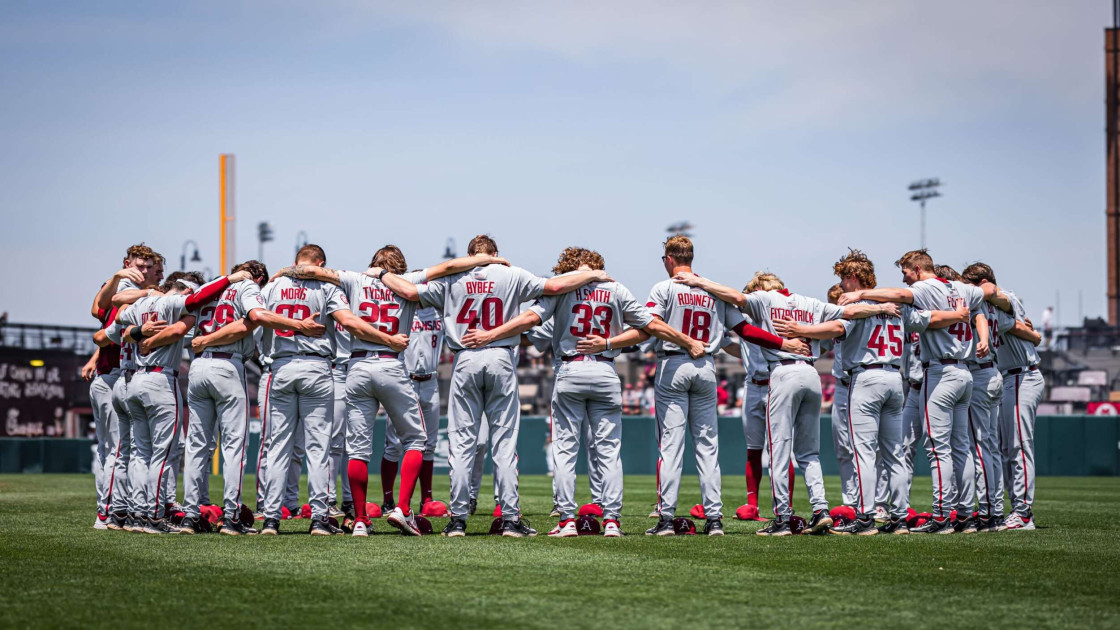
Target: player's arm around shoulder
(568, 282)
(902, 296)
(870, 309)
(309, 272)
(722, 292)
(461, 264)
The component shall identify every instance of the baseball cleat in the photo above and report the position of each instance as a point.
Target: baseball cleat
(777, 527)
(407, 524)
(611, 529)
(455, 528)
(965, 526)
(564, 529)
(859, 527)
(713, 526)
(473, 507)
(191, 523)
(334, 512)
(992, 524)
(116, 522)
(149, 526)
(555, 513)
(895, 526)
(387, 507)
(233, 527)
(655, 513)
(820, 523)
(348, 510)
(664, 527)
(934, 526)
(98, 522)
(271, 527)
(360, 530)
(517, 529)
(881, 514)
(164, 526)
(322, 527)
(132, 523)
(1016, 522)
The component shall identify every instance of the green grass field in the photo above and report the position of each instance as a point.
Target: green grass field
(57, 571)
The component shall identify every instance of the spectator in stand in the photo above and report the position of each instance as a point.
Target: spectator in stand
(647, 400)
(1047, 327)
(723, 398)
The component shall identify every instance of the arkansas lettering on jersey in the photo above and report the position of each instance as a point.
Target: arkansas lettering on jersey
(425, 342)
(694, 312)
(484, 297)
(597, 310)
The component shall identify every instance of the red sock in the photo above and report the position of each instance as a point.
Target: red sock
(754, 475)
(388, 478)
(410, 470)
(426, 470)
(791, 485)
(358, 473)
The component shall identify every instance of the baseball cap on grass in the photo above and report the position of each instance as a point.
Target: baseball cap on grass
(797, 524)
(588, 525)
(697, 511)
(373, 510)
(684, 526)
(435, 509)
(590, 509)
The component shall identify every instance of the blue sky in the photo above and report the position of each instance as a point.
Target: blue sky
(785, 133)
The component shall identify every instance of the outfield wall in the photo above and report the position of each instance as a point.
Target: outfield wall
(1066, 446)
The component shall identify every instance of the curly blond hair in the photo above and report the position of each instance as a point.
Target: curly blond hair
(857, 264)
(765, 281)
(570, 259)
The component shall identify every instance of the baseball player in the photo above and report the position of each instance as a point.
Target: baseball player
(1017, 360)
(484, 380)
(153, 393)
(102, 371)
(421, 360)
(377, 377)
(217, 394)
(685, 398)
(338, 460)
(871, 354)
(301, 389)
(947, 384)
(794, 403)
(841, 437)
(588, 392)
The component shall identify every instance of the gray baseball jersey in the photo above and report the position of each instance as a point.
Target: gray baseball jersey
(878, 340)
(753, 360)
(954, 342)
(379, 306)
(425, 342)
(1011, 351)
(298, 299)
(599, 309)
(235, 304)
(693, 311)
(766, 306)
(168, 308)
(485, 297)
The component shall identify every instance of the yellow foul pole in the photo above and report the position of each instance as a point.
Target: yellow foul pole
(226, 217)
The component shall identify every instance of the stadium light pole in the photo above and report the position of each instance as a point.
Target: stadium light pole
(449, 249)
(264, 235)
(301, 240)
(922, 191)
(194, 257)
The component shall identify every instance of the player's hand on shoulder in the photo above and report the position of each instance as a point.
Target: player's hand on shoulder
(786, 328)
(311, 327)
(591, 345)
(892, 310)
(373, 272)
(131, 274)
(1027, 321)
(688, 278)
(796, 346)
(198, 344)
(849, 298)
(153, 327)
(600, 275)
(240, 276)
(482, 260)
(399, 343)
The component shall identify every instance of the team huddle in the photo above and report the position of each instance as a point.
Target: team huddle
(951, 357)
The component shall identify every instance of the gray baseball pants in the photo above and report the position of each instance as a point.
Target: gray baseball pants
(219, 402)
(793, 428)
(107, 430)
(946, 393)
(484, 381)
(427, 392)
(1021, 394)
(983, 422)
(300, 400)
(685, 395)
(126, 495)
(875, 426)
(338, 459)
(842, 443)
(588, 398)
(155, 407)
(373, 383)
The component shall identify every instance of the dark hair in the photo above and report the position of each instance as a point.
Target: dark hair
(389, 257)
(256, 270)
(312, 253)
(482, 244)
(978, 272)
(947, 272)
(919, 258)
(172, 281)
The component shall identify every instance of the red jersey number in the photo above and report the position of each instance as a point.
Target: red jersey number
(214, 317)
(886, 339)
(962, 331)
(697, 325)
(291, 311)
(489, 314)
(595, 322)
(384, 314)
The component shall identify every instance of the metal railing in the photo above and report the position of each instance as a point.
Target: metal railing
(77, 339)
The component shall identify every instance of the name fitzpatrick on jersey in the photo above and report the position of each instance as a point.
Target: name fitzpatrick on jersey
(796, 314)
(696, 299)
(293, 293)
(480, 287)
(584, 294)
(432, 324)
